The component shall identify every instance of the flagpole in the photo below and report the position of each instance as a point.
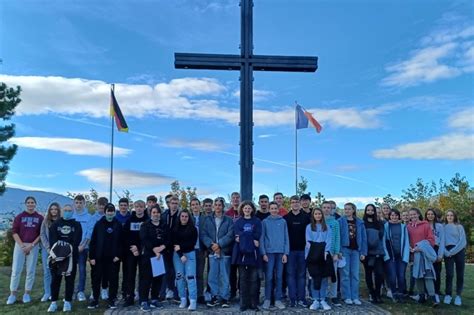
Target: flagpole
(111, 153)
(296, 149)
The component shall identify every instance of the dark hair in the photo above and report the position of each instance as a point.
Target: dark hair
(102, 201)
(272, 203)
(420, 217)
(124, 200)
(436, 219)
(263, 197)
(157, 207)
(294, 197)
(455, 220)
(326, 202)
(324, 227)
(365, 217)
(152, 198)
(109, 207)
(168, 196)
(207, 200)
(235, 193)
(277, 194)
(80, 198)
(247, 203)
(353, 206)
(195, 199)
(305, 197)
(30, 197)
(190, 218)
(396, 212)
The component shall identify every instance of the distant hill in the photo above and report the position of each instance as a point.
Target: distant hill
(13, 200)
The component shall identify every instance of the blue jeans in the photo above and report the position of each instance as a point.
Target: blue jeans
(186, 275)
(350, 274)
(296, 275)
(46, 271)
(396, 275)
(274, 267)
(81, 264)
(320, 295)
(218, 279)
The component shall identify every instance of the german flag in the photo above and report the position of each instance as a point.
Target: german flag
(117, 113)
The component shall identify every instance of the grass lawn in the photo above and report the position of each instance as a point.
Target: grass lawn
(37, 307)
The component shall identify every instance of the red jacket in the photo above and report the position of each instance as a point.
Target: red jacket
(233, 214)
(420, 231)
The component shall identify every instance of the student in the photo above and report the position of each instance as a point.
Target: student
(151, 201)
(183, 240)
(454, 253)
(81, 215)
(275, 248)
(421, 246)
(154, 238)
(296, 221)
(199, 249)
(104, 255)
(318, 258)
(397, 254)
(305, 201)
(279, 199)
(233, 213)
(385, 212)
(64, 237)
(53, 213)
(99, 213)
(217, 234)
(132, 248)
(335, 249)
(123, 214)
(354, 249)
(262, 212)
(26, 233)
(247, 230)
(207, 206)
(373, 262)
(432, 217)
(171, 219)
(405, 217)
(334, 209)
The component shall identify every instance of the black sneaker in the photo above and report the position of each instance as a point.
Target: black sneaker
(336, 302)
(129, 302)
(201, 300)
(225, 304)
(93, 304)
(156, 304)
(213, 302)
(112, 305)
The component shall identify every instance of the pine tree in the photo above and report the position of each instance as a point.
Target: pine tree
(9, 99)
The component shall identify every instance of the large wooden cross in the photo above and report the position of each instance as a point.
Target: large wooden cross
(246, 63)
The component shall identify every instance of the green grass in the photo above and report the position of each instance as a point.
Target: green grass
(37, 307)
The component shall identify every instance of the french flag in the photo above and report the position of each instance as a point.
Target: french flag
(304, 119)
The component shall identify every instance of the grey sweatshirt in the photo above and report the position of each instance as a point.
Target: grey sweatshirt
(274, 239)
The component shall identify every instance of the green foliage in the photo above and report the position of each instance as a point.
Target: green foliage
(126, 194)
(390, 200)
(7, 243)
(9, 99)
(91, 198)
(184, 194)
(421, 195)
(302, 186)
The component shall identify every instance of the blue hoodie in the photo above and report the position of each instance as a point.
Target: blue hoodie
(274, 238)
(248, 231)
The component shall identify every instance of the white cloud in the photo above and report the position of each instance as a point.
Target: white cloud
(258, 95)
(447, 147)
(201, 145)
(186, 98)
(71, 146)
(266, 136)
(257, 169)
(463, 119)
(125, 178)
(445, 53)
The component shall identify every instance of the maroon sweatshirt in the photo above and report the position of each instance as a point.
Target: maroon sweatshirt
(27, 226)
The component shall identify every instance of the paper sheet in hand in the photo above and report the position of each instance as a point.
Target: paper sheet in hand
(157, 266)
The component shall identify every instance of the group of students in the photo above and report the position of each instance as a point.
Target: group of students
(296, 251)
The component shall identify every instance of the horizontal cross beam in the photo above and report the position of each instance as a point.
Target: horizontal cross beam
(235, 62)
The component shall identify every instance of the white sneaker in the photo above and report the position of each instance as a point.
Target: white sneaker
(389, 294)
(53, 307)
(447, 299)
(184, 303)
(67, 306)
(169, 294)
(314, 306)
(415, 297)
(192, 305)
(279, 305)
(45, 297)
(348, 301)
(266, 304)
(437, 298)
(457, 300)
(81, 297)
(11, 299)
(104, 294)
(357, 302)
(325, 305)
(26, 298)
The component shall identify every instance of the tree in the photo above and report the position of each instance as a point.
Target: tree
(319, 199)
(388, 199)
(9, 99)
(302, 186)
(126, 194)
(421, 195)
(184, 194)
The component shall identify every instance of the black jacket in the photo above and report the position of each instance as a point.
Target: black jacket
(131, 232)
(152, 236)
(318, 267)
(68, 231)
(97, 246)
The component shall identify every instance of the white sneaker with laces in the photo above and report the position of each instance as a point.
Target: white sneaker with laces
(184, 303)
(67, 306)
(45, 297)
(357, 302)
(325, 305)
(53, 307)
(457, 300)
(11, 299)
(192, 305)
(266, 304)
(447, 299)
(26, 298)
(279, 305)
(81, 297)
(314, 306)
(104, 294)
(348, 301)
(169, 294)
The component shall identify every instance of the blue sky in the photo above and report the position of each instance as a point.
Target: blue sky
(393, 93)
